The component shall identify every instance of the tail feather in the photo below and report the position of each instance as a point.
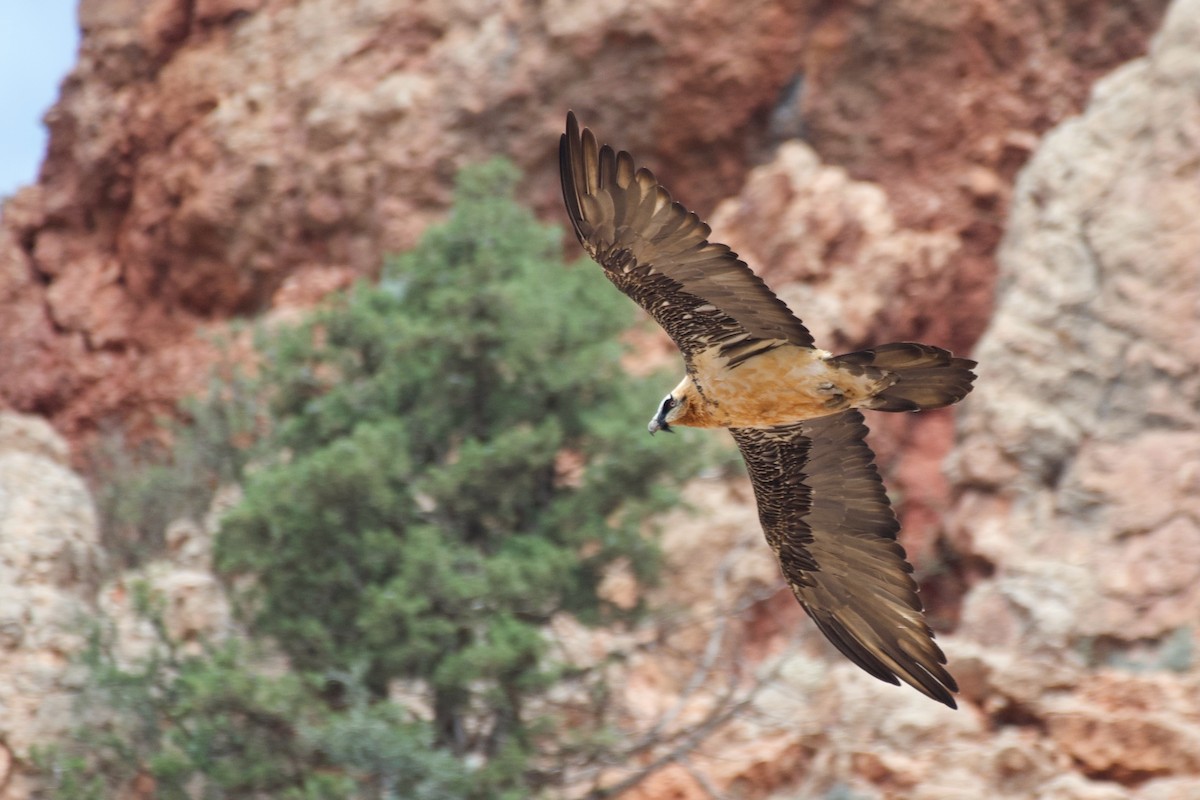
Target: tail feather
(921, 376)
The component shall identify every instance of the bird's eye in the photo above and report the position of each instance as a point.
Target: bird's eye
(667, 404)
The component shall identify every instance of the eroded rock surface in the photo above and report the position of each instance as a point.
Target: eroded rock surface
(50, 562)
(205, 156)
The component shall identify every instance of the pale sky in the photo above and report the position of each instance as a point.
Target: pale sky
(38, 43)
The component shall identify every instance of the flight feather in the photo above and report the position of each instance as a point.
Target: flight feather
(658, 252)
(826, 515)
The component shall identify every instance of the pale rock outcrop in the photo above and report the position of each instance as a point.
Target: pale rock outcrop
(1080, 451)
(194, 605)
(49, 563)
(52, 591)
(832, 245)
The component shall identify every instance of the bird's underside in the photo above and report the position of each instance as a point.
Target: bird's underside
(792, 408)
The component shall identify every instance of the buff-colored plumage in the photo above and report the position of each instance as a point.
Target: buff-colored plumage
(792, 408)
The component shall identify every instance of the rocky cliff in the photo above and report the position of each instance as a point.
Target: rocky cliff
(1017, 179)
(209, 159)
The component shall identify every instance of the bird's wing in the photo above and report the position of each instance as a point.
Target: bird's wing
(825, 513)
(658, 252)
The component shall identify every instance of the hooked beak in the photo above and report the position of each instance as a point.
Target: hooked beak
(659, 424)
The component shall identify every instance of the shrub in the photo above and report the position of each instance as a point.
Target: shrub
(451, 457)
(215, 724)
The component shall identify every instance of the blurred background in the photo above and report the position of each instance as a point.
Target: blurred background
(323, 469)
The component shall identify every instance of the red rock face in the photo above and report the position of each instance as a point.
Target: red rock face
(202, 153)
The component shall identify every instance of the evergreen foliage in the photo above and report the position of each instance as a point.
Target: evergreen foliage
(422, 524)
(211, 724)
(139, 490)
(453, 456)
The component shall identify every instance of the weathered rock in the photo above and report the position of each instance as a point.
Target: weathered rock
(203, 152)
(837, 255)
(1078, 450)
(51, 571)
(1168, 789)
(832, 244)
(193, 602)
(1128, 728)
(49, 564)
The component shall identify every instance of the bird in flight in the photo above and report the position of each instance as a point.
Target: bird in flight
(793, 409)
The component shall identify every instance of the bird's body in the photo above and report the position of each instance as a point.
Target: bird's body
(783, 385)
(793, 409)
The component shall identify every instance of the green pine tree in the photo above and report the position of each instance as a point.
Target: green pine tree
(421, 522)
(445, 461)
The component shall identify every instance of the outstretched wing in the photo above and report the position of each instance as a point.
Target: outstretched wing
(658, 252)
(824, 511)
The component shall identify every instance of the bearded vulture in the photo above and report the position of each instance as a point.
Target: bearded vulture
(793, 409)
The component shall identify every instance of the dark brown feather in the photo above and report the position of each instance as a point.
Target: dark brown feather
(825, 513)
(921, 376)
(658, 252)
